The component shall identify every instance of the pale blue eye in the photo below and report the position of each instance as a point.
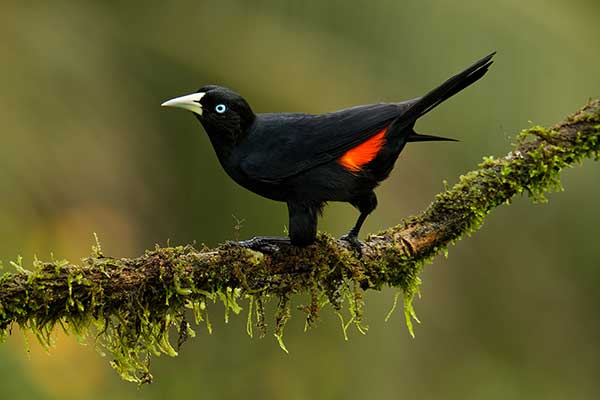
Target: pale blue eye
(221, 108)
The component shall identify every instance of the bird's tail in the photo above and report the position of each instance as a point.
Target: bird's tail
(446, 90)
(418, 137)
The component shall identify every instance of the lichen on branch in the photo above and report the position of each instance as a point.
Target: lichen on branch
(131, 306)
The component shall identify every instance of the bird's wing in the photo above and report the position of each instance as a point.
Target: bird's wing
(283, 145)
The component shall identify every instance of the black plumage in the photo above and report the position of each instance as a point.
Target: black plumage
(306, 160)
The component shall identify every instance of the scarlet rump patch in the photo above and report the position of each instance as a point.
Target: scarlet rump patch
(355, 158)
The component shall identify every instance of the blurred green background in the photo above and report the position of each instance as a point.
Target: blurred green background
(85, 147)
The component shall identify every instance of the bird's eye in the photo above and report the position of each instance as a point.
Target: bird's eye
(221, 108)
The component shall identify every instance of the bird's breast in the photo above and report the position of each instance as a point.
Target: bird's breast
(271, 190)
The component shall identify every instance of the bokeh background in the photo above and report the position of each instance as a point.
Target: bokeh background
(85, 147)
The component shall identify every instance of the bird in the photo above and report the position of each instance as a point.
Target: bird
(307, 160)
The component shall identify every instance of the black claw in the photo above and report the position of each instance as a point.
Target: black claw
(354, 243)
(264, 245)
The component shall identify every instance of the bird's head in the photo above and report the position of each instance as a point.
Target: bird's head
(224, 114)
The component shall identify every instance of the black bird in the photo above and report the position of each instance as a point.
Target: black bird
(307, 160)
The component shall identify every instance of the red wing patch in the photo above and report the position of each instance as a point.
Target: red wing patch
(355, 158)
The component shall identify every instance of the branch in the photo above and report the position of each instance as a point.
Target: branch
(129, 305)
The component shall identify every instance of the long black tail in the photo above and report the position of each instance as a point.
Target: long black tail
(446, 90)
(418, 137)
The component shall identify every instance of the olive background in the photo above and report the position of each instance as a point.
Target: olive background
(84, 147)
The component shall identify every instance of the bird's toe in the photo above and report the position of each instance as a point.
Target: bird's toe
(354, 243)
(264, 245)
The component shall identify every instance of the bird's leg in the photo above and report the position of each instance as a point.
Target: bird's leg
(303, 222)
(302, 227)
(352, 236)
(365, 204)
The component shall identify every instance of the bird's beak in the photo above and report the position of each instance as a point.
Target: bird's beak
(189, 102)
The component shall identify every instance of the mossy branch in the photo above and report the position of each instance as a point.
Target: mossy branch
(128, 306)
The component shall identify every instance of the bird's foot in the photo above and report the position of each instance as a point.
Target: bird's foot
(264, 244)
(353, 242)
